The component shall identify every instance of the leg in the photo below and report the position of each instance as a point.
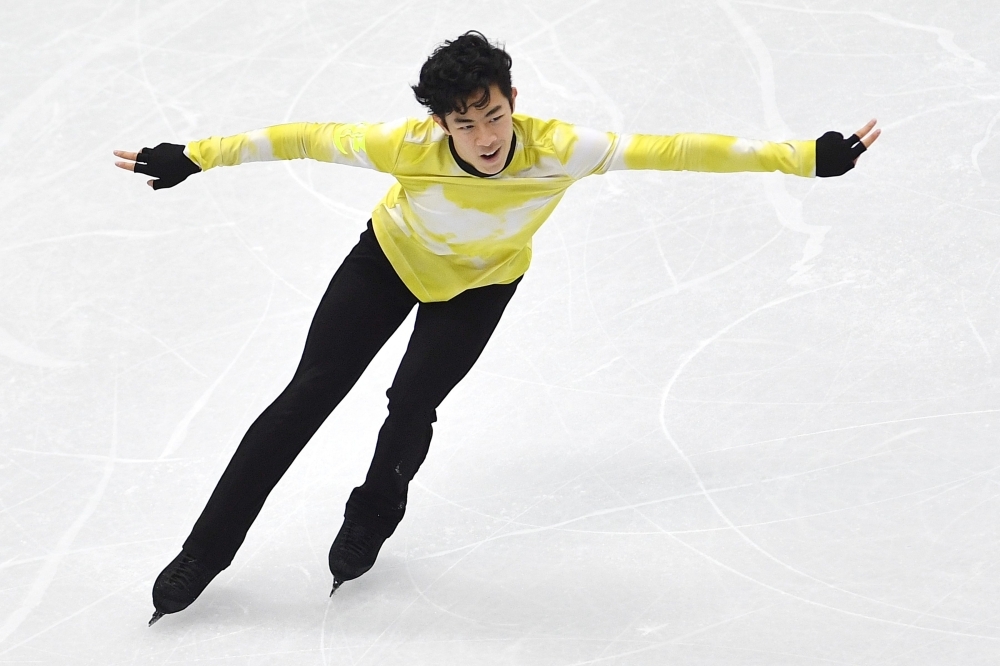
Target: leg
(364, 304)
(447, 339)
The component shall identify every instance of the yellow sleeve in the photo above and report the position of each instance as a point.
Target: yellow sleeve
(713, 152)
(372, 146)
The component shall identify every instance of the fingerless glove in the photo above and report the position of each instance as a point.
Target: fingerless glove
(167, 163)
(835, 155)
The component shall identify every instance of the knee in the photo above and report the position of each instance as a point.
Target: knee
(313, 389)
(411, 406)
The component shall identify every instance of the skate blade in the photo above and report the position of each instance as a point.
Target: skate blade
(156, 616)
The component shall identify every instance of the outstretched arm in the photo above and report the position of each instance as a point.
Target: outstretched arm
(372, 146)
(830, 155)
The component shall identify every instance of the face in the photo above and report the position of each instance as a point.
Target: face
(483, 137)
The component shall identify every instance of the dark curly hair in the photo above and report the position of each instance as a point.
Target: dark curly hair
(460, 68)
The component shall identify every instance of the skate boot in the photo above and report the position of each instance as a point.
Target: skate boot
(353, 551)
(180, 584)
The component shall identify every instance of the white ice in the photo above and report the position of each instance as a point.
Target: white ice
(726, 419)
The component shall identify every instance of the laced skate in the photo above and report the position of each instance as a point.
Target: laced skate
(353, 552)
(180, 584)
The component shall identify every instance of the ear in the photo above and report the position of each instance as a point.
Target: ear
(513, 98)
(441, 123)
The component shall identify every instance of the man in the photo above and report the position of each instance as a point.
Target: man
(453, 236)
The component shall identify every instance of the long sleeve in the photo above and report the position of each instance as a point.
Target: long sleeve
(445, 230)
(712, 152)
(372, 146)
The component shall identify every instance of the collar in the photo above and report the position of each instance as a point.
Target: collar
(469, 169)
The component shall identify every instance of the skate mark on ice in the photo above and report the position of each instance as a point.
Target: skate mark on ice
(256, 257)
(944, 106)
(629, 628)
(945, 38)
(744, 576)
(549, 25)
(672, 533)
(607, 101)
(921, 193)
(787, 207)
(976, 149)
(989, 280)
(602, 367)
(330, 59)
(532, 528)
(979, 338)
(956, 519)
(953, 485)
(89, 549)
(25, 500)
(422, 595)
(561, 387)
(179, 434)
(852, 427)
(27, 110)
(641, 232)
(470, 548)
(132, 583)
(683, 286)
(837, 608)
(900, 634)
(674, 282)
(218, 333)
(618, 655)
(949, 487)
(144, 49)
(20, 352)
(648, 630)
(173, 351)
(52, 561)
(110, 233)
(678, 221)
(801, 658)
(609, 339)
(99, 458)
(734, 528)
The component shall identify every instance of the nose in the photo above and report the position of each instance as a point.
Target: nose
(486, 137)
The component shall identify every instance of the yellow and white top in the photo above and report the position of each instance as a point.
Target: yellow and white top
(444, 227)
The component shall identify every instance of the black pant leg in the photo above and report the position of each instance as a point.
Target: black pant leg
(447, 339)
(363, 306)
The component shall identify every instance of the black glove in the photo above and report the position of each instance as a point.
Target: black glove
(167, 162)
(835, 155)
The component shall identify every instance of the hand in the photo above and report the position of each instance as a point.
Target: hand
(167, 162)
(836, 155)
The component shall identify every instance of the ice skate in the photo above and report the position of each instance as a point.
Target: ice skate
(180, 584)
(353, 552)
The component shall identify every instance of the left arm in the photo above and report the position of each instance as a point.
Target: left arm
(589, 152)
(715, 153)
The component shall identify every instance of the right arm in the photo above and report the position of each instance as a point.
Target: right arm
(374, 146)
(354, 144)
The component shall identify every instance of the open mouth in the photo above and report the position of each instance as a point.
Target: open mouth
(492, 155)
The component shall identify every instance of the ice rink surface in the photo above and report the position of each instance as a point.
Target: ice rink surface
(727, 418)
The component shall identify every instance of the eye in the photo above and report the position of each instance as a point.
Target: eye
(495, 118)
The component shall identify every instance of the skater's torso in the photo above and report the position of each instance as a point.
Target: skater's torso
(444, 226)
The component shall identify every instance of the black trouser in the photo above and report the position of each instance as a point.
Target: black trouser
(363, 306)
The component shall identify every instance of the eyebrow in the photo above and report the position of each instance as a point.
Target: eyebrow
(492, 111)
